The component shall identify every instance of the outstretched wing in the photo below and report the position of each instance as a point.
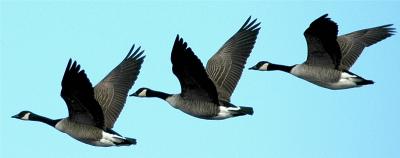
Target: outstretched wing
(226, 66)
(77, 92)
(111, 92)
(191, 74)
(323, 49)
(352, 44)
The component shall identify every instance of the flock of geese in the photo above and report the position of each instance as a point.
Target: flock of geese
(205, 91)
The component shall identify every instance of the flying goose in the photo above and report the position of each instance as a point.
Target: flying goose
(94, 110)
(205, 93)
(330, 56)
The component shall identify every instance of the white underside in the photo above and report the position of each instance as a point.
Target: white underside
(225, 112)
(346, 80)
(172, 100)
(109, 140)
(106, 140)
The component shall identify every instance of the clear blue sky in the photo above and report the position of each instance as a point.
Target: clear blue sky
(292, 119)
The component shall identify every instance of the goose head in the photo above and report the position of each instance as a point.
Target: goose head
(261, 66)
(141, 92)
(23, 115)
(146, 92)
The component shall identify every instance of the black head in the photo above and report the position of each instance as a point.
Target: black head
(141, 92)
(262, 66)
(23, 115)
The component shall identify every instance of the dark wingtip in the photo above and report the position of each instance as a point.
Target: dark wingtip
(391, 30)
(69, 63)
(68, 66)
(133, 47)
(137, 54)
(177, 37)
(387, 25)
(324, 19)
(179, 42)
(130, 51)
(250, 25)
(245, 23)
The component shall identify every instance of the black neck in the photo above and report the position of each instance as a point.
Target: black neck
(45, 120)
(161, 95)
(285, 68)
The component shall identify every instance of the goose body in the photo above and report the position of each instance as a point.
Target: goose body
(94, 110)
(205, 92)
(206, 110)
(328, 78)
(89, 134)
(330, 56)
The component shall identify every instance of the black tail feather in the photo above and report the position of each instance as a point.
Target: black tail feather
(364, 82)
(359, 80)
(246, 110)
(127, 141)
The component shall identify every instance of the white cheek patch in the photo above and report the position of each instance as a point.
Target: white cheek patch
(26, 116)
(143, 93)
(264, 67)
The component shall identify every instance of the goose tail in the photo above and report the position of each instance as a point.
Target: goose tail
(359, 81)
(127, 141)
(246, 110)
(364, 82)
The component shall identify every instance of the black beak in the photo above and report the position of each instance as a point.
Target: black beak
(15, 116)
(253, 68)
(134, 94)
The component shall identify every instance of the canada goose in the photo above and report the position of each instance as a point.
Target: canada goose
(205, 93)
(330, 56)
(93, 111)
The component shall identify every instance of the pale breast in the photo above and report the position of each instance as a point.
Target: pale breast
(79, 131)
(316, 75)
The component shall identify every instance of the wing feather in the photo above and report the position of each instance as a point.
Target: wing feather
(323, 49)
(77, 92)
(352, 44)
(111, 92)
(191, 74)
(226, 66)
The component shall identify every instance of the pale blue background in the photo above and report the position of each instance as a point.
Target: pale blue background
(292, 119)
